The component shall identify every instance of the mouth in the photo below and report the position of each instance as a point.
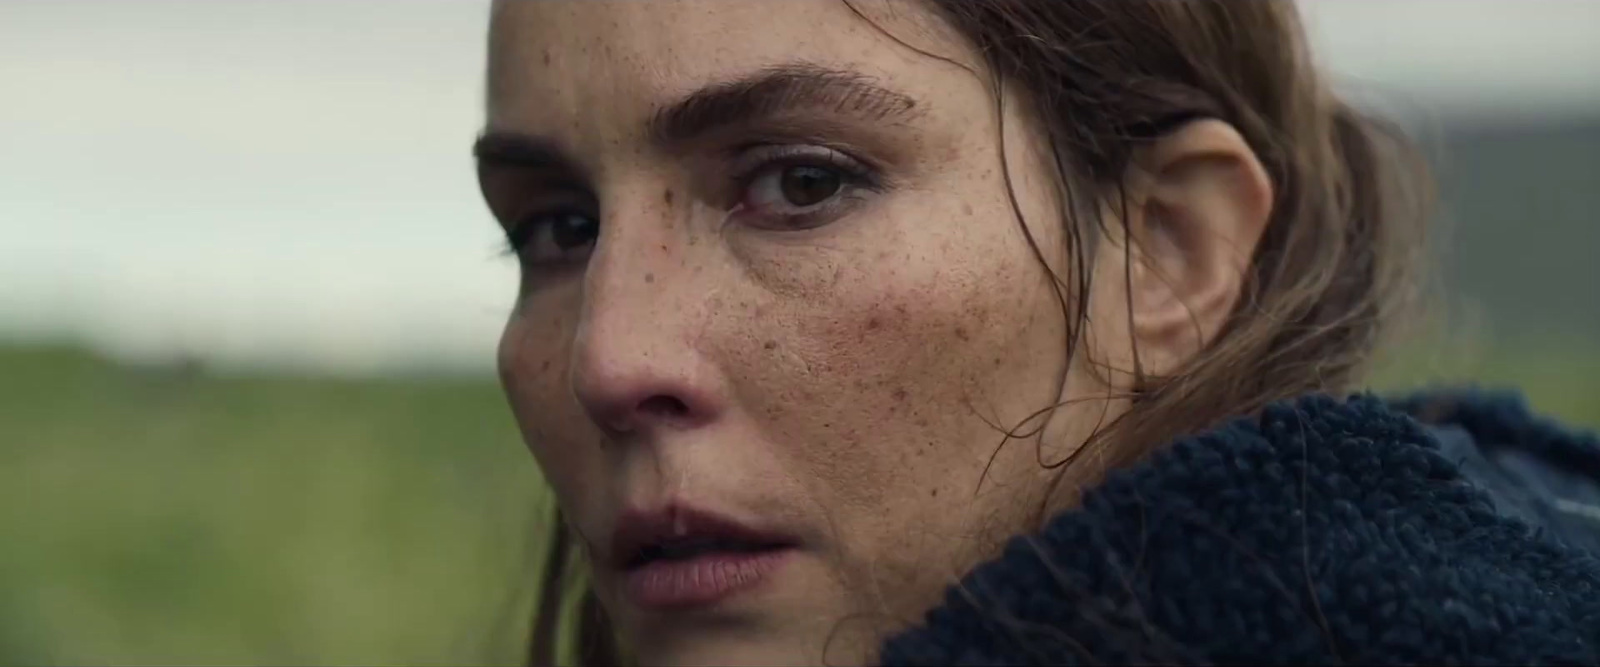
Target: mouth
(675, 550)
(682, 558)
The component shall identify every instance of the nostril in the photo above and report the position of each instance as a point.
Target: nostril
(663, 406)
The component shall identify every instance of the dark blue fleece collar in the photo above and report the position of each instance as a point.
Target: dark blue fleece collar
(1320, 532)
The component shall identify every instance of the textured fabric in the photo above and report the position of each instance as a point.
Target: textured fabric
(1322, 531)
(1533, 469)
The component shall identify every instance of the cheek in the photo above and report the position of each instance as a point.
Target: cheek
(884, 393)
(878, 369)
(534, 362)
(527, 355)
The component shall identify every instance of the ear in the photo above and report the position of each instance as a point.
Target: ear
(1199, 200)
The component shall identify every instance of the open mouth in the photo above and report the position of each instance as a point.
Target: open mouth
(681, 558)
(677, 550)
(693, 547)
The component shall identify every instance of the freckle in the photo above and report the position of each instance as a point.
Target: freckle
(900, 309)
(961, 333)
(923, 423)
(649, 277)
(666, 196)
(966, 209)
(663, 247)
(997, 362)
(544, 366)
(900, 394)
(771, 345)
(873, 323)
(547, 56)
(933, 493)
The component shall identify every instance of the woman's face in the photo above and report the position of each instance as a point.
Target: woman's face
(776, 312)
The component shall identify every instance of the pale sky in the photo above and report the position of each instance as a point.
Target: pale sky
(254, 182)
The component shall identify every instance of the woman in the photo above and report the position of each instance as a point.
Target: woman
(822, 302)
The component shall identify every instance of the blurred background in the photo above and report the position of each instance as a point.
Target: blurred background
(249, 297)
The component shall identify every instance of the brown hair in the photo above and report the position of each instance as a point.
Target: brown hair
(1335, 260)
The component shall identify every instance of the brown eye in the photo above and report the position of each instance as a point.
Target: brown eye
(573, 230)
(804, 186)
(559, 236)
(800, 187)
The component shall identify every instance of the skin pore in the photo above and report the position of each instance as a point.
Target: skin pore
(771, 268)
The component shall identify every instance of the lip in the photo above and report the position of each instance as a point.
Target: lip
(699, 580)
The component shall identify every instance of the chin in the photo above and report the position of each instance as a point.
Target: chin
(765, 640)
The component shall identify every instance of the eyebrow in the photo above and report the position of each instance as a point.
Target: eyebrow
(766, 95)
(517, 149)
(774, 92)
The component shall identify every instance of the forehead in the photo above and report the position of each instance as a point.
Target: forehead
(556, 65)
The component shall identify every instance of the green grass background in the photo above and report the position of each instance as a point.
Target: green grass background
(157, 516)
(167, 516)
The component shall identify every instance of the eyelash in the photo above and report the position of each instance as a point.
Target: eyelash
(775, 159)
(519, 236)
(752, 163)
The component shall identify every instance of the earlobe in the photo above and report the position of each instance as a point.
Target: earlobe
(1204, 202)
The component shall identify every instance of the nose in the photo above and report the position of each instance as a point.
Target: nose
(629, 385)
(638, 367)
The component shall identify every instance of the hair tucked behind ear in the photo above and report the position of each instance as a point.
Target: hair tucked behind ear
(1337, 258)
(1334, 263)
(1324, 288)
